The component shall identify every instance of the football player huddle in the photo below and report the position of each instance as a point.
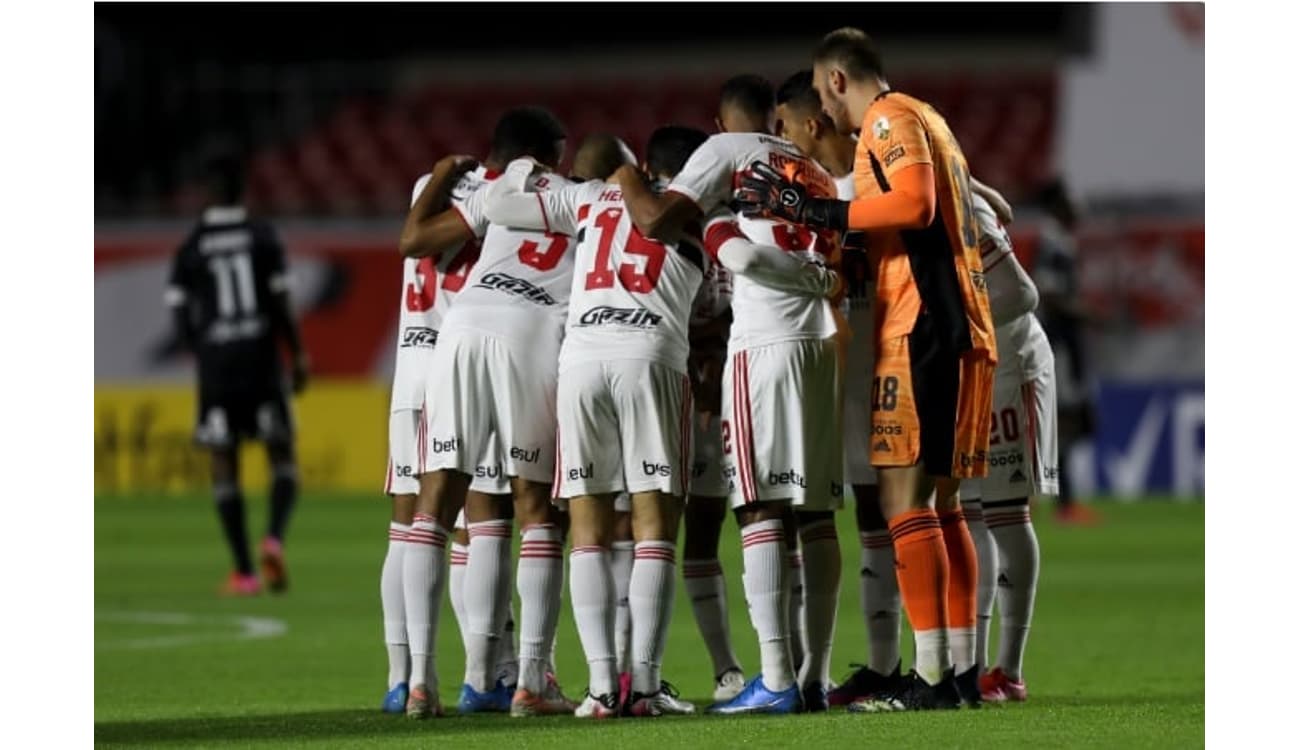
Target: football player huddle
(758, 318)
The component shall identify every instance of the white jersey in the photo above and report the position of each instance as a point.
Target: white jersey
(428, 288)
(1022, 345)
(518, 290)
(764, 315)
(631, 296)
(714, 296)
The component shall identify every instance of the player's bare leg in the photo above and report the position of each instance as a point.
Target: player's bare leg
(230, 510)
(394, 606)
(486, 608)
(621, 552)
(656, 518)
(284, 495)
(821, 587)
(707, 589)
(424, 578)
(963, 584)
(764, 545)
(540, 580)
(591, 587)
(879, 599)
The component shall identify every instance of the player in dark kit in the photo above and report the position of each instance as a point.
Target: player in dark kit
(229, 296)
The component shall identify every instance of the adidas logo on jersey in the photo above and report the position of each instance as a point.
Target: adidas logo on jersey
(1018, 476)
(881, 447)
(635, 317)
(503, 282)
(1003, 580)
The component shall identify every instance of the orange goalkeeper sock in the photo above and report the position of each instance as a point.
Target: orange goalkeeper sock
(963, 586)
(922, 565)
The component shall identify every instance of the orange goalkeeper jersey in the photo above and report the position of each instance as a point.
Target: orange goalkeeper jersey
(937, 268)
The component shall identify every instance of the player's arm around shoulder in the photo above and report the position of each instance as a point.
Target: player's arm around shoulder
(432, 227)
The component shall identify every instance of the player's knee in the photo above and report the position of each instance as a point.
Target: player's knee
(225, 491)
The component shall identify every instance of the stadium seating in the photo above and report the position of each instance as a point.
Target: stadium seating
(362, 159)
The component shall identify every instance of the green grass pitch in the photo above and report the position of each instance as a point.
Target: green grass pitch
(1116, 657)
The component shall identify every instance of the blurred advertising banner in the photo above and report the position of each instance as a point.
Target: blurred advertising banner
(143, 440)
(1149, 440)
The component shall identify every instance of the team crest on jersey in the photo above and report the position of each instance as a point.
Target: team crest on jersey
(880, 129)
(977, 281)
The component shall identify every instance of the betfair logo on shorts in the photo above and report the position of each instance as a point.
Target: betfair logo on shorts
(403, 471)
(530, 457)
(651, 469)
(444, 446)
(419, 336)
(487, 472)
(969, 460)
(502, 282)
(632, 317)
(586, 472)
(791, 477)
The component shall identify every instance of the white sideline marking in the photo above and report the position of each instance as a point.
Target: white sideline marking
(211, 628)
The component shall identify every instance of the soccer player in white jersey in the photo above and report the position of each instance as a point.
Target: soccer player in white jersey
(473, 418)
(1022, 461)
(781, 394)
(429, 283)
(622, 374)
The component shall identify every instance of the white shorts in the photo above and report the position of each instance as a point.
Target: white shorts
(781, 428)
(857, 429)
(624, 426)
(1022, 442)
(405, 435)
(708, 475)
(481, 394)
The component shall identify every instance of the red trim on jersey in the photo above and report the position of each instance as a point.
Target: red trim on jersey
(996, 261)
(388, 480)
(583, 211)
(718, 233)
(491, 174)
(541, 204)
(1031, 431)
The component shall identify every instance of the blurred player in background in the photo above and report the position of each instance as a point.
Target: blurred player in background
(935, 346)
(1022, 461)
(1056, 272)
(781, 399)
(229, 296)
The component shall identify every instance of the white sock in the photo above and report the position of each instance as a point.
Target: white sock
(707, 589)
(456, 586)
(394, 607)
(794, 580)
(620, 563)
(424, 579)
(881, 603)
(932, 654)
(507, 669)
(591, 587)
(767, 572)
(650, 599)
(541, 577)
(821, 589)
(489, 561)
(986, 552)
(1017, 581)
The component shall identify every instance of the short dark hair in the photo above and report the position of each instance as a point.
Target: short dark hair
(598, 157)
(852, 50)
(224, 173)
(526, 131)
(752, 94)
(798, 92)
(670, 147)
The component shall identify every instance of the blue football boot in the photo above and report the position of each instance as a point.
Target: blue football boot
(757, 699)
(395, 699)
